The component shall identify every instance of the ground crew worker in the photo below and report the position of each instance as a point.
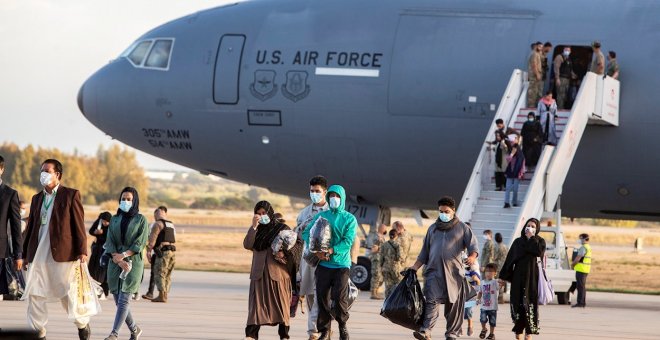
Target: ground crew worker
(405, 239)
(582, 265)
(535, 75)
(563, 75)
(613, 67)
(375, 257)
(391, 256)
(598, 60)
(161, 243)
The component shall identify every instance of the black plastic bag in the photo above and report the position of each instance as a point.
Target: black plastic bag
(15, 285)
(405, 306)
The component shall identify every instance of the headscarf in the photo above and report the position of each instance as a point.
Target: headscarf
(105, 216)
(126, 217)
(266, 233)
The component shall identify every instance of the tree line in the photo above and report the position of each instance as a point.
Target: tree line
(99, 178)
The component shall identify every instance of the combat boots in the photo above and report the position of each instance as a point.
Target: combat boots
(375, 295)
(162, 297)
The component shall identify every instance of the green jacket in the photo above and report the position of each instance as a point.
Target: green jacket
(136, 241)
(343, 226)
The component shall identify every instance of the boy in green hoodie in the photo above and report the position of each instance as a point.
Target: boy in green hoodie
(332, 273)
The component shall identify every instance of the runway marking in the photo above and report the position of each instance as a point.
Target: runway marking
(347, 72)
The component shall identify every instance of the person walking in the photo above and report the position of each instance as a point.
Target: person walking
(547, 110)
(405, 240)
(488, 251)
(99, 230)
(151, 258)
(501, 251)
(127, 239)
(391, 255)
(501, 153)
(521, 269)
(444, 281)
(582, 266)
(534, 74)
(532, 136)
(55, 243)
(332, 273)
(269, 302)
(10, 223)
(515, 171)
(376, 259)
(318, 188)
(161, 242)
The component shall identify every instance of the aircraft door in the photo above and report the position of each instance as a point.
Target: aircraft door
(227, 69)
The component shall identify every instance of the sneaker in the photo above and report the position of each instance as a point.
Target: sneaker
(135, 335)
(506, 205)
(515, 204)
(85, 333)
(111, 337)
(578, 306)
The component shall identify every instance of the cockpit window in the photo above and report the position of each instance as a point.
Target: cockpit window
(139, 52)
(159, 56)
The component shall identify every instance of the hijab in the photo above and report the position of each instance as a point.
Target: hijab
(266, 233)
(126, 217)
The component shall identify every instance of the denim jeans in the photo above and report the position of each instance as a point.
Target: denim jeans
(511, 185)
(123, 312)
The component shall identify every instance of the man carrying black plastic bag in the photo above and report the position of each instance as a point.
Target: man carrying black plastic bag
(444, 281)
(405, 305)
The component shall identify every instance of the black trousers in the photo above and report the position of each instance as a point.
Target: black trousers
(500, 180)
(252, 331)
(331, 284)
(581, 279)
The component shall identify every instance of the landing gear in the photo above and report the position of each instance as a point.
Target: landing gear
(361, 273)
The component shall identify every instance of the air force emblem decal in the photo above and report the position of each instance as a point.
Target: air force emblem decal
(263, 87)
(296, 87)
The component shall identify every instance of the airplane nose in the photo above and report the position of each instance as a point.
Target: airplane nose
(80, 100)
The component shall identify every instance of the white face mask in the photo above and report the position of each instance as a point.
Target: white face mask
(530, 230)
(485, 237)
(23, 212)
(264, 219)
(335, 202)
(316, 197)
(45, 178)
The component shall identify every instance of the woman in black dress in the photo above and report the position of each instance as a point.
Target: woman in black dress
(99, 229)
(521, 269)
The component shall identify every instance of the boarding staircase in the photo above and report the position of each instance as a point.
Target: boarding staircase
(595, 104)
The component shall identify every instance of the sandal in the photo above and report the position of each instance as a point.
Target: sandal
(491, 336)
(482, 335)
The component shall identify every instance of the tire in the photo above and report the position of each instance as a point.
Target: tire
(361, 273)
(563, 298)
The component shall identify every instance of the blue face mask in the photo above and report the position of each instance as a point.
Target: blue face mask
(335, 202)
(316, 197)
(445, 217)
(125, 206)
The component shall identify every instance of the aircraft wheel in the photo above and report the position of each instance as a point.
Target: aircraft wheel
(361, 273)
(563, 298)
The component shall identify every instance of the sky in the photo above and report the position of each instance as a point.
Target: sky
(49, 48)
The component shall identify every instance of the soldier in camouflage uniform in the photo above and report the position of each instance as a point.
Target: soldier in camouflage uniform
(405, 239)
(391, 254)
(374, 256)
(535, 76)
(488, 251)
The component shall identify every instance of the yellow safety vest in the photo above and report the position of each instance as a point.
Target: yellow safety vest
(584, 266)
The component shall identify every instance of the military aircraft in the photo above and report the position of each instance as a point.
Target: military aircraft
(391, 99)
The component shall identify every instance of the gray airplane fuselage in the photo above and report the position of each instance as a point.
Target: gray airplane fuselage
(247, 95)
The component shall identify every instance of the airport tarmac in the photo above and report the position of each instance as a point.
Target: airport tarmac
(210, 305)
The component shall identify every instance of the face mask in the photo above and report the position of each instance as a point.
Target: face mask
(23, 212)
(316, 197)
(45, 178)
(445, 217)
(531, 119)
(335, 202)
(485, 237)
(566, 54)
(530, 230)
(125, 206)
(581, 241)
(264, 219)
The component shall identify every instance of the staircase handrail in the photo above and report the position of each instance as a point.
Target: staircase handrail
(505, 111)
